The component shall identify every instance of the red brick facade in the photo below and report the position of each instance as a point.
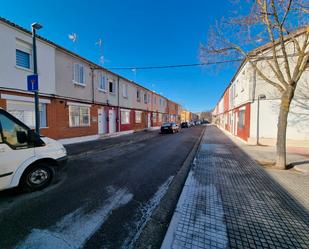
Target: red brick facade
(58, 124)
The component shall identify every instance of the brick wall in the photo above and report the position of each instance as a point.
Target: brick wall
(58, 121)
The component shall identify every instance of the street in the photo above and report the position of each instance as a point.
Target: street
(102, 200)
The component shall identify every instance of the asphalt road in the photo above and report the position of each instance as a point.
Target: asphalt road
(102, 200)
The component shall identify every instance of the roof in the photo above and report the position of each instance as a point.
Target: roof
(96, 66)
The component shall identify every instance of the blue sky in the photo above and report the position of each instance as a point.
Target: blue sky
(137, 33)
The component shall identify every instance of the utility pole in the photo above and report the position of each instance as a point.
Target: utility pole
(36, 26)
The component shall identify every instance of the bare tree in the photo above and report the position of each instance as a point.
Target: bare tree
(206, 115)
(282, 25)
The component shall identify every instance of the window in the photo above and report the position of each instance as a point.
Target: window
(10, 130)
(23, 54)
(138, 117)
(125, 117)
(111, 86)
(149, 98)
(78, 74)
(22, 59)
(155, 100)
(124, 90)
(102, 81)
(145, 98)
(25, 112)
(241, 119)
(160, 101)
(160, 117)
(79, 116)
(138, 95)
(154, 117)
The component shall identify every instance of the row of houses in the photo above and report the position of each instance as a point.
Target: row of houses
(249, 106)
(77, 96)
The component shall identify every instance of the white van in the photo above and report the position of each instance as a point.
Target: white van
(26, 159)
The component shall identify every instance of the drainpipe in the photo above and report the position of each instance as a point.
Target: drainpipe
(118, 104)
(92, 83)
(254, 84)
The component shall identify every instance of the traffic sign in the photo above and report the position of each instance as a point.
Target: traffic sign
(33, 82)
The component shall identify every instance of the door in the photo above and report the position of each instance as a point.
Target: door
(112, 121)
(14, 149)
(101, 121)
(148, 120)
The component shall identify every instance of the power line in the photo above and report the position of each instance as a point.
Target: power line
(175, 66)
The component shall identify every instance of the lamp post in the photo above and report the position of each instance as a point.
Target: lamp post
(261, 96)
(36, 26)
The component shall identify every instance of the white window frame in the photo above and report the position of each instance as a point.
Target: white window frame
(113, 86)
(125, 116)
(80, 115)
(145, 98)
(138, 95)
(26, 48)
(138, 117)
(102, 78)
(77, 67)
(124, 90)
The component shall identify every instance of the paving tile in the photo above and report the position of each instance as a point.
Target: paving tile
(231, 202)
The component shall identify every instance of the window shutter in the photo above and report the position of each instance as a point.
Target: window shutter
(22, 59)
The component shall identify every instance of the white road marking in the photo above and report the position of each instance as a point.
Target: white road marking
(75, 228)
(147, 211)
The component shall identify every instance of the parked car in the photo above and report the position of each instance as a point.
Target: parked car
(185, 125)
(27, 159)
(169, 127)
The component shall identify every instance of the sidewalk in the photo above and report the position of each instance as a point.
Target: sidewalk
(229, 201)
(294, 180)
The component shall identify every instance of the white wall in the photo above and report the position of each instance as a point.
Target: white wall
(243, 85)
(16, 78)
(298, 120)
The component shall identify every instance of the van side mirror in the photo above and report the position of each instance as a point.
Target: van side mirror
(35, 139)
(21, 137)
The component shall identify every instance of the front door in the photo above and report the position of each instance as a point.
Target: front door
(101, 121)
(112, 121)
(148, 120)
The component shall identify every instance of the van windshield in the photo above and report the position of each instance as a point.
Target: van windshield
(9, 131)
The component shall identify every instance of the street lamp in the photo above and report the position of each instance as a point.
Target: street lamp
(261, 96)
(36, 26)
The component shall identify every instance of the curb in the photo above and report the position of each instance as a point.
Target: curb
(91, 151)
(156, 228)
(302, 168)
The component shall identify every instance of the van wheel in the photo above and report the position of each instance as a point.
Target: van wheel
(37, 177)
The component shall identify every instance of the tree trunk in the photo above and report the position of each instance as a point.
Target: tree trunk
(286, 99)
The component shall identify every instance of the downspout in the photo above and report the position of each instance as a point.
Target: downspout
(92, 83)
(254, 85)
(118, 104)
(258, 105)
